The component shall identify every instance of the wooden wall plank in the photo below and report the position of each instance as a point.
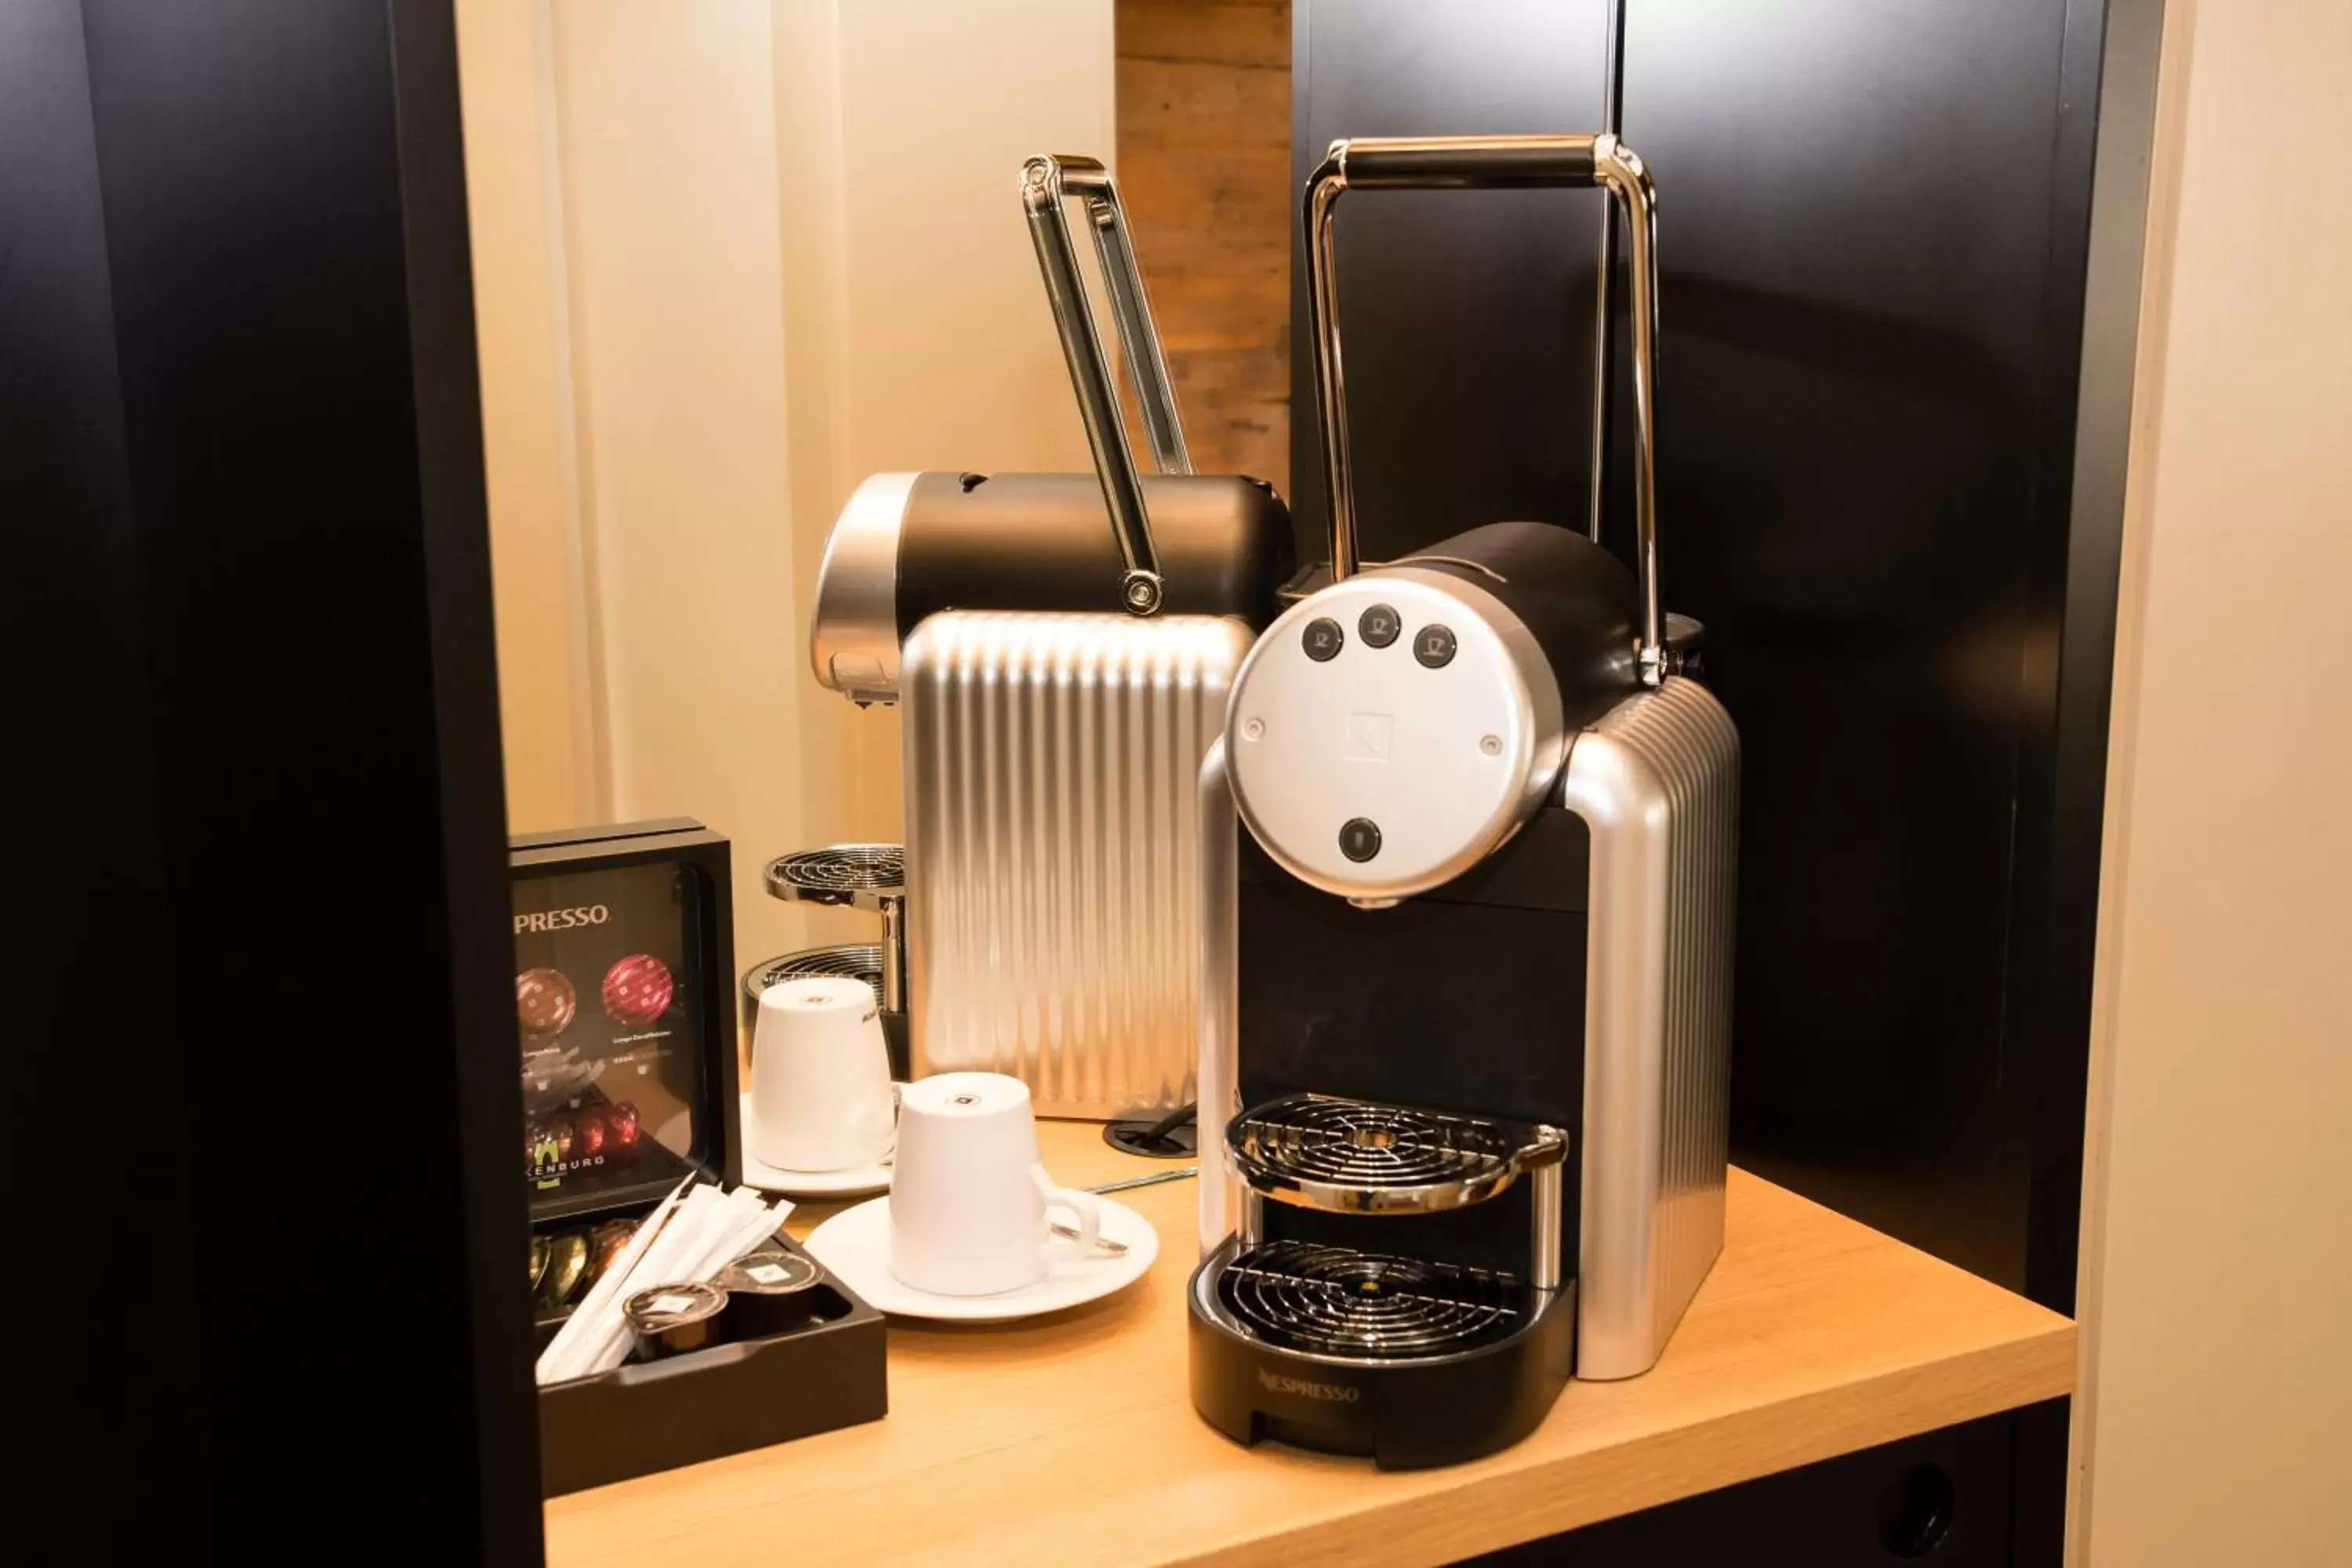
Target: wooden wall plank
(1204, 169)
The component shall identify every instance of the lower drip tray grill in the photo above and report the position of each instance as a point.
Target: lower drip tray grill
(1336, 1301)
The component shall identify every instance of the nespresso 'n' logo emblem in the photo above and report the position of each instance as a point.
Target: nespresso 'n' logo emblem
(1306, 1388)
(1370, 737)
(563, 919)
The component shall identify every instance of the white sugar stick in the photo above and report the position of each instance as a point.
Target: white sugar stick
(551, 1359)
(758, 1225)
(752, 1225)
(603, 1344)
(671, 1261)
(562, 1354)
(709, 1232)
(595, 1321)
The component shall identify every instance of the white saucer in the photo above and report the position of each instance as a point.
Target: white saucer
(857, 1182)
(855, 1245)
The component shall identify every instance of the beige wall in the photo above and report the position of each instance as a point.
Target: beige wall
(731, 256)
(519, 330)
(2217, 1253)
(916, 306)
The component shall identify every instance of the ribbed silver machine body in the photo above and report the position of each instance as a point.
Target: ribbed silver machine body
(1052, 826)
(1656, 780)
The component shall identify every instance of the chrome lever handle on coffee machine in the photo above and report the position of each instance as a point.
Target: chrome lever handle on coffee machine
(1490, 163)
(1048, 181)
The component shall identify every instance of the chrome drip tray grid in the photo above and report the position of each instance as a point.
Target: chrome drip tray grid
(863, 875)
(1322, 1151)
(849, 961)
(1339, 1301)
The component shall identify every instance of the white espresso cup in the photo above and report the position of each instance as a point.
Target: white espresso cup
(969, 1196)
(821, 1093)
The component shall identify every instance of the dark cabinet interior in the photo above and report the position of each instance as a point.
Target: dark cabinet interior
(1875, 233)
(1955, 1498)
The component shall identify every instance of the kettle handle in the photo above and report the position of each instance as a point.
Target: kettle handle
(1487, 163)
(1046, 181)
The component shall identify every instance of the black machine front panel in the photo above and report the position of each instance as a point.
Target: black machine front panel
(1872, 237)
(1470, 999)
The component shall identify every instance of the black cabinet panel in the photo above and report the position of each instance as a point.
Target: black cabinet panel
(1874, 223)
(84, 855)
(1856, 257)
(239, 436)
(1956, 1498)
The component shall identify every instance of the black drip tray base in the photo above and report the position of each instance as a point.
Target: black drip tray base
(1449, 1363)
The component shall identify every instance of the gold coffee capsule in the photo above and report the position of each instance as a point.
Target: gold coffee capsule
(604, 1244)
(565, 1266)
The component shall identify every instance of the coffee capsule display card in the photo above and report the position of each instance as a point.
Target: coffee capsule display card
(609, 1020)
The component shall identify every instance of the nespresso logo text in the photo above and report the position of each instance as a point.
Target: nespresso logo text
(1334, 1393)
(563, 919)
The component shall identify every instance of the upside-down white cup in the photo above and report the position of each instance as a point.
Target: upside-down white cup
(969, 1196)
(821, 1091)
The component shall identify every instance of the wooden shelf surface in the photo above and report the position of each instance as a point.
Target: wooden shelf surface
(1071, 1439)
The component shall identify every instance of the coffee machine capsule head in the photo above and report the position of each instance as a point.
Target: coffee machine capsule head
(1396, 728)
(1389, 732)
(1393, 730)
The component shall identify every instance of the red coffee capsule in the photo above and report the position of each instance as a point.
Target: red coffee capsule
(622, 1130)
(638, 989)
(545, 1003)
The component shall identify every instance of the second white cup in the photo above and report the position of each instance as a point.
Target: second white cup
(968, 1197)
(822, 1098)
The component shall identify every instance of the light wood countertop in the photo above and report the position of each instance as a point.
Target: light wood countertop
(1071, 1439)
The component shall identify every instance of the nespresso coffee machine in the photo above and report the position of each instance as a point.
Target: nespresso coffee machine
(1060, 645)
(1465, 1027)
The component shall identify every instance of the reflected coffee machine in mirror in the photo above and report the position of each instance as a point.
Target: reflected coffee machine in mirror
(1061, 646)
